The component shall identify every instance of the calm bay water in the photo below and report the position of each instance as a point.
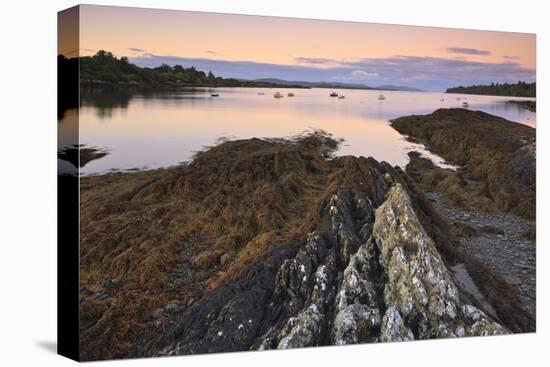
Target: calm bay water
(163, 129)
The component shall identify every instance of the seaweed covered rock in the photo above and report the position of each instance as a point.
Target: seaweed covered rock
(492, 152)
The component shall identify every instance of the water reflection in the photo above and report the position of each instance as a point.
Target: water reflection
(155, 129)
(67, 137)
(109, 101)
(504, 108)
(87, 154)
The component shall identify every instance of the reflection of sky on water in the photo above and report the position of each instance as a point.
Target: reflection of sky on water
(162, 129)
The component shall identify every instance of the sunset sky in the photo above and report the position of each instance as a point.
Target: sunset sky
(251, 47)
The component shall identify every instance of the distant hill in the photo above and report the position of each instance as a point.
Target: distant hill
(399, 87)
(333, 85)
(314, 84)
(519, 89)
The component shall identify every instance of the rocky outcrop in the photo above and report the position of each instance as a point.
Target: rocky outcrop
(368, 275)
(420, 294)
(396, 287)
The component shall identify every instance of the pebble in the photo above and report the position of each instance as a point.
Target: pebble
(224, 259)
(172, 307)
(158, 313)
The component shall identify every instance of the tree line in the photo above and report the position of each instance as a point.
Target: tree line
(519, 89)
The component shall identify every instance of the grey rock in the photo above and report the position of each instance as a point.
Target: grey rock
(303, 330)
(419, 286)
(393, 327)
(158, 313)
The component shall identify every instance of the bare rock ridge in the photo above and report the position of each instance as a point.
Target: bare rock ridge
(367, 275)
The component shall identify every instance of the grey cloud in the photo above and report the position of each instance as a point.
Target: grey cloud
(467, 51)
(314, 60)
(136, 49)
(357, 75)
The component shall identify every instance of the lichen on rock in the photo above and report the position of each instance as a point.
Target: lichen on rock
(420, 291)
(394, 287)
(357, 310)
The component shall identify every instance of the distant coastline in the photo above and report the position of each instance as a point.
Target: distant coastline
(519, 89)
(106, 70)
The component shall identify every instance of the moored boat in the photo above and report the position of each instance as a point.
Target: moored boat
(278, 95)
(333, 94)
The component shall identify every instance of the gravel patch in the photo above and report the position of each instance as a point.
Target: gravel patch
(498, 241)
